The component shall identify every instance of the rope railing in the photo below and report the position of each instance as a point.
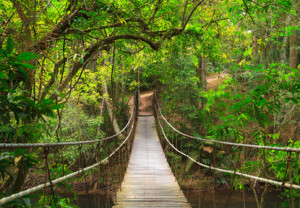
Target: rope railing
(42, 186)
(265, 180)
(30, 145)
(287, 149)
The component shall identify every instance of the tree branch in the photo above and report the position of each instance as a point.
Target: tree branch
(184, 12)
(71, 31)
(247, 11)
(155, 11)
(55, 33)
(100, 45)
(132, 52)
(191, 13)
(210, 21)
(53, 78)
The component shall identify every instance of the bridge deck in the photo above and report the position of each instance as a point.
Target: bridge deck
(149, 181)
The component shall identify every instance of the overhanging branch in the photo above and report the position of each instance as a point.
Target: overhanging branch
(101, 44)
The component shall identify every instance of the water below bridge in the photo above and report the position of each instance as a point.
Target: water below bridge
(197, 199)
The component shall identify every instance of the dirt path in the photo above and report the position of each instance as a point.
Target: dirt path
(145, 108)
(214, 80)
(146, 103)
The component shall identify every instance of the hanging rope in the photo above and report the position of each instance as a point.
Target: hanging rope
(42, 186)
(265, 180)
(287, 149)
(30, 145)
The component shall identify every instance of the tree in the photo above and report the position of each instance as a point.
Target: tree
(78, 31)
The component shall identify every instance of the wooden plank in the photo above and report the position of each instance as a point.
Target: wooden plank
(149, 181)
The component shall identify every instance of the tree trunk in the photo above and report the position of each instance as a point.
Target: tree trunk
(255, 48)
(108, 103)
(263, 50)
(293, 51)
(202, 65)
(156, 82)
(283, 55)
(293, 38)
(20, 176)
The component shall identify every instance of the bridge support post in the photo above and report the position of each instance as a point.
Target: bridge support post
(154, 103)
(136, 104)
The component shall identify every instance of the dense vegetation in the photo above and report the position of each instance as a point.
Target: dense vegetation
(69, 69)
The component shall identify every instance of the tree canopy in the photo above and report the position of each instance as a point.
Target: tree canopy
(69, 69)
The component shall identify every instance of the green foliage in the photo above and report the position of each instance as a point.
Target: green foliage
(252, 109)
(50, 203)
(24, 202)
(269, 90)
(252, 105)
(194, 155)
(10, 160)
(17, 110)
(13, 66)
(19, 113)
(76, 125)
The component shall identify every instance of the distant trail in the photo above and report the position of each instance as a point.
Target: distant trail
(214, 77)
(214, 80)
(147, 96)
(146, 103)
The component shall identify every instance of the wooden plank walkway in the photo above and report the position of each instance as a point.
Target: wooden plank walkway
(149, 181)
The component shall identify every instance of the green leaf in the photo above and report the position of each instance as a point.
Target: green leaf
(4, 84)
(194, 155)
(6, 129)
(22, 72)
(26, 56)
(9, 45)
(49, 113)
(81, 60)
(2, 75)
(26, 202)
(3, 52)
(46, 102)
(55, 107)
(11, 75)
(18, 64)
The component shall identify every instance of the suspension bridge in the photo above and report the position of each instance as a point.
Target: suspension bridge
(149, 181)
